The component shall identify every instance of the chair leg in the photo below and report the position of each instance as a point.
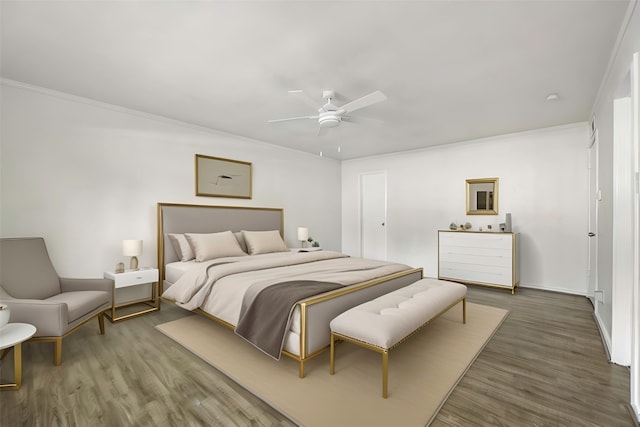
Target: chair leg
(101, 323)
(57, 357)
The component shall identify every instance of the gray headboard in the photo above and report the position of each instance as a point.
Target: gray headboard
(183, 218)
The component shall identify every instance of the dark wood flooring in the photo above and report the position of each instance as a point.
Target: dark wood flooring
(545, 366)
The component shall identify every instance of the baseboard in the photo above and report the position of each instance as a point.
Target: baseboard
(553, 289)
(604, 336)
(635, 412)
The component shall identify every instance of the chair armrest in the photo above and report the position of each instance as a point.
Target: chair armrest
(70, 285)
(50, 318)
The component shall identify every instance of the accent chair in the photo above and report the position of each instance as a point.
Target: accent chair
(35, 293)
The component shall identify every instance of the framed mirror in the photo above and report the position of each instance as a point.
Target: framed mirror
(482, 196)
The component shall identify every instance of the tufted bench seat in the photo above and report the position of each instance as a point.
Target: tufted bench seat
(383, 323)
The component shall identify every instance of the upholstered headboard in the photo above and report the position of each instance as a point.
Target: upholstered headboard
(184, 218)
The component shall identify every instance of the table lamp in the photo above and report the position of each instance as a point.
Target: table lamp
(132, 248)
(303, 235)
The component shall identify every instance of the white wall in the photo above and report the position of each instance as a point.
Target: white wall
(543, 184)
(86, 175)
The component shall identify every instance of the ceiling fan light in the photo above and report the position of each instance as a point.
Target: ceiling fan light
(328, 120)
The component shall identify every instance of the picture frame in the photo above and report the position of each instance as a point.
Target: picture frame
(482, 196)
(220, 177)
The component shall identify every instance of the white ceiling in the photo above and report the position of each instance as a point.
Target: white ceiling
(452, 70)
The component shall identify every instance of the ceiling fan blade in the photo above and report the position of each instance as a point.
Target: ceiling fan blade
(298, 93)
(365, 101)
(361, 120)
(293, 118)
(322, 130)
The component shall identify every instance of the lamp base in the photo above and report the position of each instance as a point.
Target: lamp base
(134, 263)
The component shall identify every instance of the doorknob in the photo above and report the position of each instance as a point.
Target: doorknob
(590, 234)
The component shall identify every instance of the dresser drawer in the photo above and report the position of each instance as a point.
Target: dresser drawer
(464, 255)
(476, 240)
(478, 258)
(477, 273)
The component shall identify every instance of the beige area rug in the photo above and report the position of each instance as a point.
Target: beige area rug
(422, 371)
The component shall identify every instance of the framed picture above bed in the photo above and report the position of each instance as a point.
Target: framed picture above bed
(218, 177)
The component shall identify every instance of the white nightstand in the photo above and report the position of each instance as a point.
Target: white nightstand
(134, 278)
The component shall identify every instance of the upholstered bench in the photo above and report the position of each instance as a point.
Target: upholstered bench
(383, 323)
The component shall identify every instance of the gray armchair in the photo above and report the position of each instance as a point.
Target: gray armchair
(35, 294)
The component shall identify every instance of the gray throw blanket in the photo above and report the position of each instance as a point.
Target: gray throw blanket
(264, 318)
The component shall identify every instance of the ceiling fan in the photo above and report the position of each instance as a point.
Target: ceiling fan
(330, 115)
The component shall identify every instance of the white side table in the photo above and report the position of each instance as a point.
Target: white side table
(13, 335)
(134, 278)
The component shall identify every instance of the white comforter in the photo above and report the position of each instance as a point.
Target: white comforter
(233, 276)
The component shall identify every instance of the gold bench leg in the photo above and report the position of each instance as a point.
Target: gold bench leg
(332, 355)
(464, 311)
(385, 373)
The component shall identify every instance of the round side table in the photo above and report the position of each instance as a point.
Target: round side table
(13, 335)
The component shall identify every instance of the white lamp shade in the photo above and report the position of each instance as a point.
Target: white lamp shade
(131, 247)
(303, 233)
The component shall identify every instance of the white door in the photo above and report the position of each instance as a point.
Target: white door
(373, 215)
(592, 264)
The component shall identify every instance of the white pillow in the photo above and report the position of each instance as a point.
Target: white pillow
(264, 242)
(208, 246)
(181, 247)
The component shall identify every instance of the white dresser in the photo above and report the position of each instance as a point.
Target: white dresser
(479, 258)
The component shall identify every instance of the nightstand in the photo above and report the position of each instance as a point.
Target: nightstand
(133, 278)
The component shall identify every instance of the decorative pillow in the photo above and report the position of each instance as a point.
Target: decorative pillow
(181, 246)
(208, 246)
(264, 242)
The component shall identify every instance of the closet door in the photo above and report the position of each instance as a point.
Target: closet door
(373, 215)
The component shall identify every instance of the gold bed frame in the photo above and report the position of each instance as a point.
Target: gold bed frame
(304, 304)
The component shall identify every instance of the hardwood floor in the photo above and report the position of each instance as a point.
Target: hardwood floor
(545, 366)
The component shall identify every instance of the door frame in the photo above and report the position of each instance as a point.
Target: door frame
(592, 242)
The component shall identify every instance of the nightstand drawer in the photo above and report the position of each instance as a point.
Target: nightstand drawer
(132, 278)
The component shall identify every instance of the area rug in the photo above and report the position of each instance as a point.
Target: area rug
(423, 371)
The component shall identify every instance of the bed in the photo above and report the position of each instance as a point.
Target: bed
(229, 286)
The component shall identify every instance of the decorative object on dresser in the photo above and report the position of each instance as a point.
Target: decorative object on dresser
(132, 248)
(218, 177)
(133, 278)
(477, 258)
(482, 196)
(35, 293)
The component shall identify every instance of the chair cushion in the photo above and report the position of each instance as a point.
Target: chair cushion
(81, 303)
(26, 270)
